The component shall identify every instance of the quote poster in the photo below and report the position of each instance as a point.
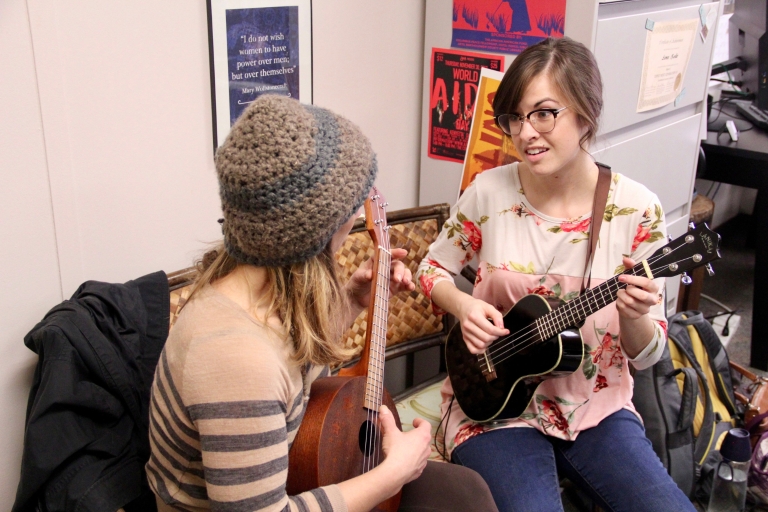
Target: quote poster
(262, 54)
(453, 91)
(487, 147)
(506, 26)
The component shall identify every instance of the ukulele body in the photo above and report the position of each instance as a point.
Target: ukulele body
(517, 376)
(330, 446)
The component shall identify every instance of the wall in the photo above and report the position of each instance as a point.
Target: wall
(109, 173)
(28, 253)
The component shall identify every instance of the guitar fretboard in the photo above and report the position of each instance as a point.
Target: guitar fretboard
(374, 387)
(574, 312)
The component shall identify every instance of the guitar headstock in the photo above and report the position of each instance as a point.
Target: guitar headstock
(697, 247)
(376, 218)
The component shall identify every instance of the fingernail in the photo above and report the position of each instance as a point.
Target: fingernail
(384, 410)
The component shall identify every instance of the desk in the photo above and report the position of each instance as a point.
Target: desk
(745, 163)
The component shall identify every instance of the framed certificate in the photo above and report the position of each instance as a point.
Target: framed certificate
(257, 47)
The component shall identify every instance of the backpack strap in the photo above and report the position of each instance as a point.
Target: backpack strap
(718, 357)
(690, 393)
(707, 430)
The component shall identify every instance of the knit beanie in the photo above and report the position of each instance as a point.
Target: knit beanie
(289, 176)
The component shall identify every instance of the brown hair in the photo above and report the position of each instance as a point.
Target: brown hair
(307, 297)
(571, 67)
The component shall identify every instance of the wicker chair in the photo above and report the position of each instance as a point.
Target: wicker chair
(412, 325)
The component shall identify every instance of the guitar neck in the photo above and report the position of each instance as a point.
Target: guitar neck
(574, 312)
(378, 313)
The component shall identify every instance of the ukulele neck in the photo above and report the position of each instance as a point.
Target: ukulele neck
(574, 312)
(378, 313)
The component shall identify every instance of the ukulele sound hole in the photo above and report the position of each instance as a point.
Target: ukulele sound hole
(367, 438)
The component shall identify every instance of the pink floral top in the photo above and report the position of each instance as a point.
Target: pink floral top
(520, 251)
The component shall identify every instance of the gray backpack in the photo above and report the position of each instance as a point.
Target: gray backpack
(687, 445)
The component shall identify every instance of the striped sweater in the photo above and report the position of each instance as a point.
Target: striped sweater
(226, 404)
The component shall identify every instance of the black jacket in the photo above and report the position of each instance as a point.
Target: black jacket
(86, 439)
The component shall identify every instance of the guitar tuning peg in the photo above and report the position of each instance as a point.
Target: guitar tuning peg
(686, 279)
(691, 226)
(710, 270)
(669, 238)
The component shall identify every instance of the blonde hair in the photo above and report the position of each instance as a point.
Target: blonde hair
(307, 297)
(573, 70)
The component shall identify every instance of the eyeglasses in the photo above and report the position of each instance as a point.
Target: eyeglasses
(542, 120)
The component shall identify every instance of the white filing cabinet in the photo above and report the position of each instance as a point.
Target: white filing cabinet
(658, 148)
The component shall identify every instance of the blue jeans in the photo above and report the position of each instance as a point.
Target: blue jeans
(613, 462)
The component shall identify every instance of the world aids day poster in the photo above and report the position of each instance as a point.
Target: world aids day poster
(453, 93)
(506, 26)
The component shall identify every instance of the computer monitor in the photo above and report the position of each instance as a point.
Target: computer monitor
(748, 40)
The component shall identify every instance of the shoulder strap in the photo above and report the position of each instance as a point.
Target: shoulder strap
(718, 357)
(598, 211)
(678, 334)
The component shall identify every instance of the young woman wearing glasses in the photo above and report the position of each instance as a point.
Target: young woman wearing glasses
(526, 225)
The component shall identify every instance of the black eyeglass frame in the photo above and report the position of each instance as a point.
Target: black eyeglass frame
(553, 111)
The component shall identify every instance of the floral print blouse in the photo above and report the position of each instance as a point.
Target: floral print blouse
(521, 251)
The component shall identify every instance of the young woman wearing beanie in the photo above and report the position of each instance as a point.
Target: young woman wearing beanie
(527, 225)
(264, 321)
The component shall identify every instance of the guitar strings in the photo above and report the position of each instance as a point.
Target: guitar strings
(533, 328)
(582, 298)
(377, 325)
(505, 348)
(506, 355)
(382, 288)
(579, 300)
(375, 382)
(384, 279)
(371, 382)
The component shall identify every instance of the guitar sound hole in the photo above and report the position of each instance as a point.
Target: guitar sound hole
(367, 438)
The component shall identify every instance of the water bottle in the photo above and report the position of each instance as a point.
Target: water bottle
(729, 486)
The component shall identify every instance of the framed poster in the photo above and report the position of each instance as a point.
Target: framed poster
(487, 146)
(257, 47)
(506, 26)
(668, 48)
(453, 92)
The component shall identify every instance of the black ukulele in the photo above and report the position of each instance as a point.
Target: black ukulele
(544, 339)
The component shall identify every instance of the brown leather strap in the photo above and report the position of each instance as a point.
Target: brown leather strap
(741, 398)
(748, 374)
(598, 211)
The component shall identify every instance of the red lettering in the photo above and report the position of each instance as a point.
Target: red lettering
(490, 125)
(487, 162)
(470, 92)
(456, 99)
(487, 137)
(465, 75)
(439, 93)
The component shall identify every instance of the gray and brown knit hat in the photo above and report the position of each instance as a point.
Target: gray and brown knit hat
(289, 176)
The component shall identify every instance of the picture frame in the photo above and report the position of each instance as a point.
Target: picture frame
(257, 47)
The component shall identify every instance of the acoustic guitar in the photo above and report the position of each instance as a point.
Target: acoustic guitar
(545, 340)
(339, 437)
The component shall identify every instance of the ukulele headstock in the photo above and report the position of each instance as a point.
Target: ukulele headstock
(695, 248)
(376, 218)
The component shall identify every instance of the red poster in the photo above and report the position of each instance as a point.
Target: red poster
(453, 91)
(506, 26)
